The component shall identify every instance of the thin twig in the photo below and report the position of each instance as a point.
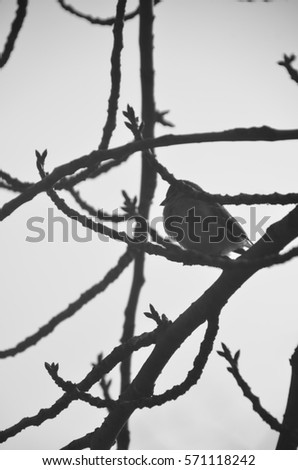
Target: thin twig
(73, 390)
(90, 173)
(288, 439)
(15, 183)
(255, 401)
(287, 63)
(74, 307)
(148, 184)
(96, 373)
(97, 21)
(97, 156)
(98, 213)
(213, 300)
(174, 253)
(80, 443)
(14, 31)
(193, 375)
(110, 124)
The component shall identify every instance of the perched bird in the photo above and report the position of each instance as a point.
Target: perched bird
(205, 227)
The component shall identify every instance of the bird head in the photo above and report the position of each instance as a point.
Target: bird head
(173, 192)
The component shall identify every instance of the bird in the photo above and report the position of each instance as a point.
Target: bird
(202, 226)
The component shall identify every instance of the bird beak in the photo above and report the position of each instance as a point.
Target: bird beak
(163, 203)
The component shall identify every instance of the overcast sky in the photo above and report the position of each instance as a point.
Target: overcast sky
(216, 69)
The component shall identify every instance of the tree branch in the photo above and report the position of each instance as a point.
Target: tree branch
(288, 439)
(110, 124)
(75, 306)
(213, 300)
(148, 183)
(14, 31)
(255, 401)
(287, 63)
(96, 373)
(97, 156)
(98, 21)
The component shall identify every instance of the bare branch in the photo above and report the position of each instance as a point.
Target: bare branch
(80, 443)
(199, 311)
(74, 307)
(97, 21)
(110, 124)
(90, 173)
(160, 118)
(96, 373)
(193, 375)
(255, 401)
(287, 64)
(74, 392)
(288, 439)
(15, 183)
(14, 31)
(174, 253)
(97, 156)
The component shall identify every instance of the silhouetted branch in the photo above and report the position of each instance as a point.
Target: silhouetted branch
(8, 188)
(148, 184)
(288, 439)
(192, 378)
(174, 253)
(255, 401)
(98, 213)
(74, 307)
(97, 156)
(80, 443)
(90, 173)
(160, 118)
(96, 373)
(238, 199)
(199, 311)
(98, 21)
(160, 320)
(65, 182)
(274, 198)
(74, 392)
(15, 183)
(14, 31)
(130, 213)
(287, 64)
(193, 375)
(110, 124)
(216, 296)
(105, 386)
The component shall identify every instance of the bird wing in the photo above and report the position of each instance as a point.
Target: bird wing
(236, 231)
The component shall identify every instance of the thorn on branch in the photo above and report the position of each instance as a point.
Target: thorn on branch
(105, 386)
(52, 369)
(154, 315)
(160, 118)
(236, 357)
(287, 63)
(130, 205)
